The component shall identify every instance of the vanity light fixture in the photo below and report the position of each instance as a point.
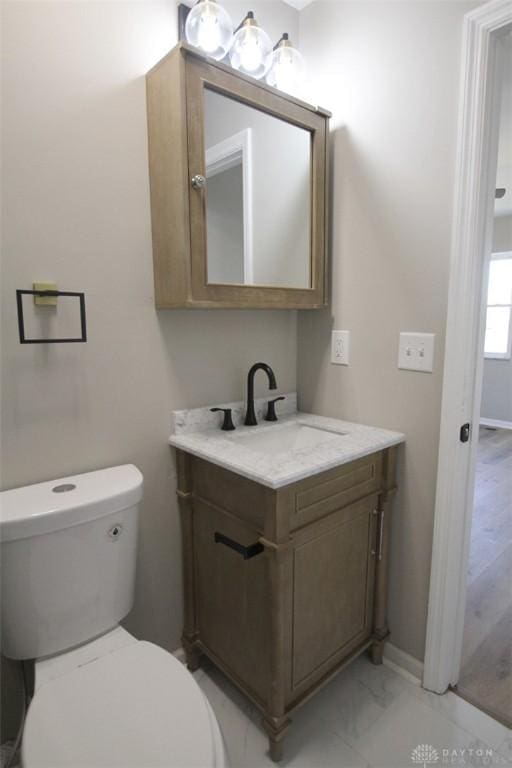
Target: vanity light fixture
(248, 48)
(209, 27)
(286, 67)
(251, 48)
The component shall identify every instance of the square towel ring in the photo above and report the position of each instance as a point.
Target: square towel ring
(21, 321)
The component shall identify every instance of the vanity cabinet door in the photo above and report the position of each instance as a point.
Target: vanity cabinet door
(333, 585)
(232, 618)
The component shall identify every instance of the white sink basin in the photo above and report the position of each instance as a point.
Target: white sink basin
(288, 437)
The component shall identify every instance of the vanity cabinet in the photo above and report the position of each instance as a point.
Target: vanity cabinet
(285, 587)
(238, 178)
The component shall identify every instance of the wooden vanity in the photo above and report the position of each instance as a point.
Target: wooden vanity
(284, 587)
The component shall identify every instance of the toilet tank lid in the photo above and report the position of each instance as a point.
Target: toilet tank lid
(57, 504)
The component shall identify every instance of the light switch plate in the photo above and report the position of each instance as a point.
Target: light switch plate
(340, 347)
(416, 352)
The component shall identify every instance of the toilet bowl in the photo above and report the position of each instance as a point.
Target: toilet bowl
(102, 698)
(119, 702)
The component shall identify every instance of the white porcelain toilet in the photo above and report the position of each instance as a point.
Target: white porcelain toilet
(102, 698)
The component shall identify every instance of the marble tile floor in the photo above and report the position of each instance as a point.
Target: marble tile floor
(367, 716)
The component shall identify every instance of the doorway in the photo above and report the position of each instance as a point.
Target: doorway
(485, 31)
(486, 663)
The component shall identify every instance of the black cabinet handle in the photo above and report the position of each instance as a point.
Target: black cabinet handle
(247, 552)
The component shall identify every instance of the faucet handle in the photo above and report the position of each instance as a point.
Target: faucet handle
(227, 424)
(271, 410)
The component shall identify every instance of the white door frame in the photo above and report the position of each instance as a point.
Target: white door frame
(471, 247)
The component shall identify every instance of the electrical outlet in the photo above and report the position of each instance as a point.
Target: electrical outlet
(416, 352)
(340, 347)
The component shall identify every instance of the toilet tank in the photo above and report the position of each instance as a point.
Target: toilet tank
(68, 553)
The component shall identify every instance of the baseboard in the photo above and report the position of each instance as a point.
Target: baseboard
(497, 423)
(179, 653)
(403, 663)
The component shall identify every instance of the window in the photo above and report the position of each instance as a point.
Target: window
(498, 327)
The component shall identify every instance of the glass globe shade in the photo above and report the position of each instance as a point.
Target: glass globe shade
(250, 50)
(286, 69)
(209, 28)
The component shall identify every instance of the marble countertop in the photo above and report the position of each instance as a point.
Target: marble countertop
(197, 432)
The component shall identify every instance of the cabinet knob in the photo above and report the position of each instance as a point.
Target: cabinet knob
(198, 181)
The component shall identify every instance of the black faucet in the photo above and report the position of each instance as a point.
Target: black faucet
(250, 416)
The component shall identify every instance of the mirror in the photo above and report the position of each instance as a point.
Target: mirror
(258, 200)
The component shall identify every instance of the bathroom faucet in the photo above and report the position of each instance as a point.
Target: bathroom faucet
(250, 416)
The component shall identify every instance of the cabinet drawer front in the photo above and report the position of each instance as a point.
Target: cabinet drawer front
(337, 488)
(232, 597)
(333, 572)
(236, 494)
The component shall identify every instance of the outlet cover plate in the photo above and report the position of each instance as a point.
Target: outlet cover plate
(416, 352)
(340, 347)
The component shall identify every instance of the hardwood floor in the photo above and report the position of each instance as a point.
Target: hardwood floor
(486, 674)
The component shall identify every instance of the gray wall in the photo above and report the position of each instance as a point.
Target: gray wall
(497, 383)
(390, 74)
(76, 210)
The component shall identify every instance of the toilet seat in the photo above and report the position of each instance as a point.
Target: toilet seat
(136, 707)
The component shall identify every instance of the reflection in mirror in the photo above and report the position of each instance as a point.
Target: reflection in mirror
(229, 209)
(258, 202)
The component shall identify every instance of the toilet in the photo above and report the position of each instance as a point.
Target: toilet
(102, 698)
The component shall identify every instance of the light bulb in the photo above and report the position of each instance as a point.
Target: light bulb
(250, 48)
(208, 35)
(286, 68)
(250, 52)
(210, 28)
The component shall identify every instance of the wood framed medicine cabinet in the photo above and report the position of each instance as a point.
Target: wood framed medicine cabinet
(238, 178)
